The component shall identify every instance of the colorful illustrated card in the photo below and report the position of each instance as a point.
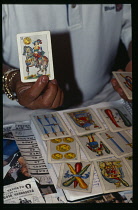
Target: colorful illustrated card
(129, 162)
(84, 121)
(116, 118)
(76, 176)
(125, 81)
(35, 55)
(93, 147)
(50, 125)
(120, 143)
(63, 150)
(113, 174)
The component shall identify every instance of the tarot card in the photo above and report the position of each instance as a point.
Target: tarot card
(116, 118)
(125, 81)
(129, 162)
(35, 55)
(84, 121)
(120, 143)
(76, 176)
(93, 147)
(50, 125)
(63, 150)
(113, 174)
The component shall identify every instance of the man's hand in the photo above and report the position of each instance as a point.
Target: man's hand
(117, 87)
(43, 94)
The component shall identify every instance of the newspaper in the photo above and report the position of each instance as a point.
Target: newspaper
(24, 192)
(30, 151)
(14, 165)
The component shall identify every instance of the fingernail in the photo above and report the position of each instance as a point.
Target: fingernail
(44, 79)
(54, 81)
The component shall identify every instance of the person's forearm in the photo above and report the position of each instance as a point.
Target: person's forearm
(130, 50)
(5, 68)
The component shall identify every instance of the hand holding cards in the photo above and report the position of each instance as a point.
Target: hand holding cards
(37, 88)
(125, 81)
(35, 55)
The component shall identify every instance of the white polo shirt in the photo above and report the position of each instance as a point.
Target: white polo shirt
(85, 40)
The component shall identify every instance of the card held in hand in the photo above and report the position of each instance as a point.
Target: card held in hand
(35, 55)
(125, 81)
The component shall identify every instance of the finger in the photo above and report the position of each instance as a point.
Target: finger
(46, 99)
(62, 99)
(115, 84)
(36, 89)
(129, 67)
(118, 89)
(58, 99)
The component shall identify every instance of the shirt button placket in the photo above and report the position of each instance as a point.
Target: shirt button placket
(73, 5)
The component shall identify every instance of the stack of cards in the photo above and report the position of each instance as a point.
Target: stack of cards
(107, 150)
(35, 55)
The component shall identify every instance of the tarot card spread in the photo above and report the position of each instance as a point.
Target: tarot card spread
(116, 118)
(114, 175)
(125, 81)
(50, 125)
(35, 55)
(76, 176)
(84, 121)
(93, 147)
(63, 150)
(120, 143)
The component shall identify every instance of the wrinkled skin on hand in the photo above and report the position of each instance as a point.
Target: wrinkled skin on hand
(43, 94)
(116, 85)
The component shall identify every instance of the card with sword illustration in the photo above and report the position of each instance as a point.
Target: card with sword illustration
(120, 143)
(50, 125)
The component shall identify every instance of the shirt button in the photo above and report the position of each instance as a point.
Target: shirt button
(73, 5)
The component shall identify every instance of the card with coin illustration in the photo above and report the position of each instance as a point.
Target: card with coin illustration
(50, 125)
(84, 121)
(35, 55)
(113, 175)
(125, 81)
(63, 150)
(116, 118)
(93, 147)
(76, 176)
